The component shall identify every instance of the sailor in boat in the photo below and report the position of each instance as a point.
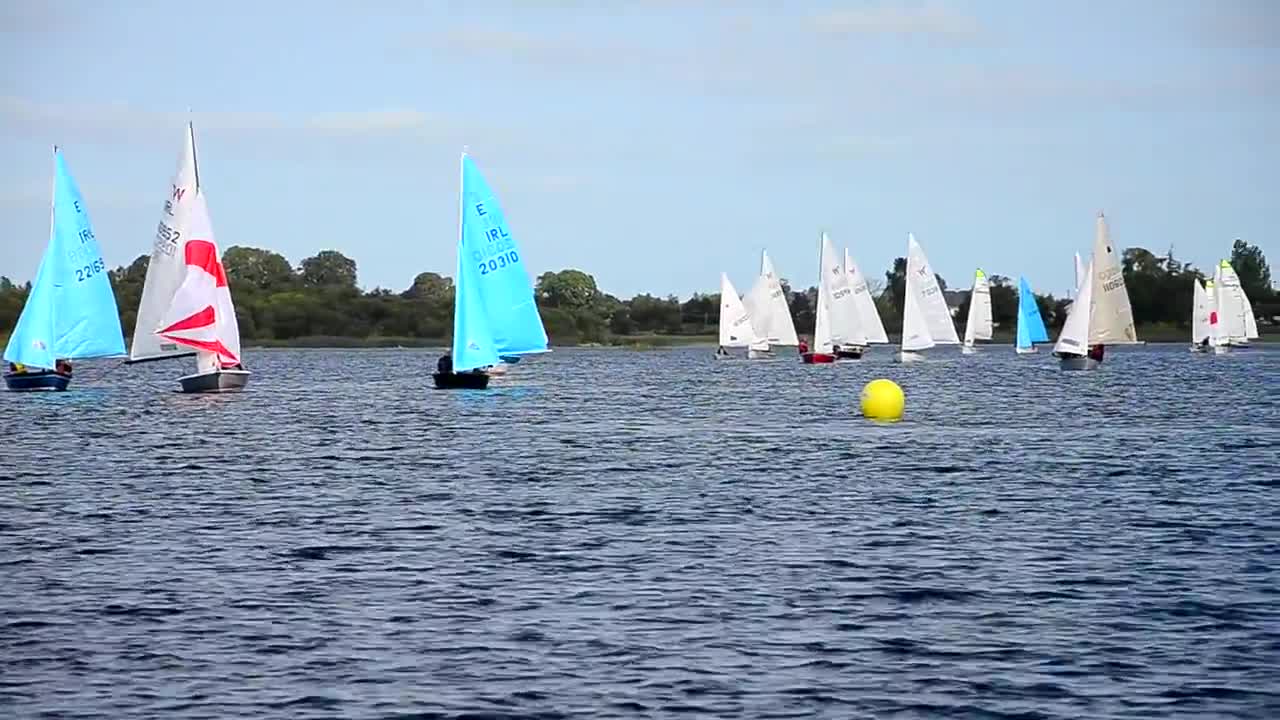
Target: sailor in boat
(63, 367)
(803, 347)
(17, 368)
(721, 352)
(444, 365)
(1095, 352)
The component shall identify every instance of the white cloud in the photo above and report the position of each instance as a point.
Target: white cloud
(124, 117)
(895, 19)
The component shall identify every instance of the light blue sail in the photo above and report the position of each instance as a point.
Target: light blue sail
(495, 313)
(71, 311)
(1030, 325)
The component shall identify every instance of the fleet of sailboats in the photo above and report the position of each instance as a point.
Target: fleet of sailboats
(186, 307)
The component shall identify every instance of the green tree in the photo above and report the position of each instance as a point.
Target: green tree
(567, 289)
(1251, 266)
(328, 268)
(432, 287)
(261, 269)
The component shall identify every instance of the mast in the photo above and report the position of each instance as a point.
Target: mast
(195, 163)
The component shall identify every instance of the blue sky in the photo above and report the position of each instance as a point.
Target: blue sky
(655, 143)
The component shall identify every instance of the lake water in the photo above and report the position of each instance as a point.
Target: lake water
(647, 534)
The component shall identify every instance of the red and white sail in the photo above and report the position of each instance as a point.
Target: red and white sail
(201, 315)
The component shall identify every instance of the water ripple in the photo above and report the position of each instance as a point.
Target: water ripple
(620, 534)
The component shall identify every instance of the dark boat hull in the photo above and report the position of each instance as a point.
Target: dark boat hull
(220, 381)
(46, 380)
(850, 353)
(460, 381)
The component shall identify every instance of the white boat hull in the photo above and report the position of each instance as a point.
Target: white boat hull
(1079, 362)
(1221, 349)
(968, 350)
(758, 354)
(1027, 350)
(909, 356)
(218, 381)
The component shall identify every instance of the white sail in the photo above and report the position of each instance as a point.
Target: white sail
(933, 304)
(845, 320)
(822, 340)
(167, 266)
(1074, 338)
(767, 305)
(915, 326)
(735, 321)
(1250, 322)
(1231, 303)
(1079, 273)
(1199, 314)
(1110, 317)
(201, 315)
(978, 326)
(868, 315)
(1217, 334)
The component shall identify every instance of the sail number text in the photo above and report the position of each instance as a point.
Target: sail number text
(166, 239)
(495, 263)
(88, 271)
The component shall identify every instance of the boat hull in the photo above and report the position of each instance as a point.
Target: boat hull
(758, 354)
(1221, 349)
(46, 380)
(499, 369)
(460, 381)
(817, 358)
(218, 381)
(968, 350)
(909, 356)
(1026, 350)
(1078, 362)
(850, 353)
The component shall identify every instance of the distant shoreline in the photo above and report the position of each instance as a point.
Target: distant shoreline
(1151, 336)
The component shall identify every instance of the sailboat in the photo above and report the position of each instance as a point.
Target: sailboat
(1031, 328)
(978, 325)
(868, 315)
(1234, 306)
(495, 314)
(1201, 317)
(735, 321)
(770, 314)
(837, 331)
(70, 313)
(1101, 314)
(926, 320)
(186, 307)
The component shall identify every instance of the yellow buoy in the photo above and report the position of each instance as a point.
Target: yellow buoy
(883, 400)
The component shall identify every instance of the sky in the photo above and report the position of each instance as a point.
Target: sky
(655, 143)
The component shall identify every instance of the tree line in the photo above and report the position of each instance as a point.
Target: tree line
(319, 300)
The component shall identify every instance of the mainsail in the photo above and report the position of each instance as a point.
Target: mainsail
(978, 325)
(71, 311)
(767, 304)
(868, 315)
(1233, 305)
(845, 321)
(1031, 327)
(1200, 314)
(933, 304)
(1111, 316)
(735, 321)
(167, 268)
(201, 315)
(494, 312)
